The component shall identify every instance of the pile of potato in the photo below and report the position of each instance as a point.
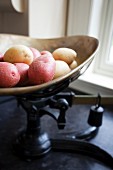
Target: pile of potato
(23, 66)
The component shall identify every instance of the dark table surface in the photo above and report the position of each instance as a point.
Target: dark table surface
(13, 119)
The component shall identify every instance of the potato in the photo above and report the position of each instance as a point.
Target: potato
(23, 71)
(73, 65)
(65, 54)
(9, 75)
(42, 70)
(18, 54)
(62, 69)
(35, 52)
(46, 52)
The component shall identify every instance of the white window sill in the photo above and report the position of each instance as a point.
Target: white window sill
(93, 83)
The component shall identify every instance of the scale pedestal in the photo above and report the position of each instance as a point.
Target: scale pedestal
(32, 142)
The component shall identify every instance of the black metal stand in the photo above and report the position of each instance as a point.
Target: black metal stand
(84, 148)
(32, 142)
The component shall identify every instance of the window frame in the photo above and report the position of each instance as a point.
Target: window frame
(95, 79)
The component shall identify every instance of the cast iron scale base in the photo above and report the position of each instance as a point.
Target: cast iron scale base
(32, 142)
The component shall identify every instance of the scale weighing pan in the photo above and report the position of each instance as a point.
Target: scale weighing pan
(84, 45)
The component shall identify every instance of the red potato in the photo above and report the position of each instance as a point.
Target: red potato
(23, 71)
(18, 54)
(9, 75)
(35, 52)
(42, 70)
(46, 52)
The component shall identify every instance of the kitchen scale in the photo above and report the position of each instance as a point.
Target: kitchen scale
(40, 100)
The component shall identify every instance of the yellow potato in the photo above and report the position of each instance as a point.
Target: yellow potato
(62, 69)
(18, 54)
(73, 65)
(65, 54)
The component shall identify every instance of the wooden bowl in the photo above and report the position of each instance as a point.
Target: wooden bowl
(85, 46)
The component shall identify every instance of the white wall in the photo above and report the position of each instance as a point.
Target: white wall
(47, 18)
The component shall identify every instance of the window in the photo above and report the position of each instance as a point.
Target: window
(104, 64)
(94, 18)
